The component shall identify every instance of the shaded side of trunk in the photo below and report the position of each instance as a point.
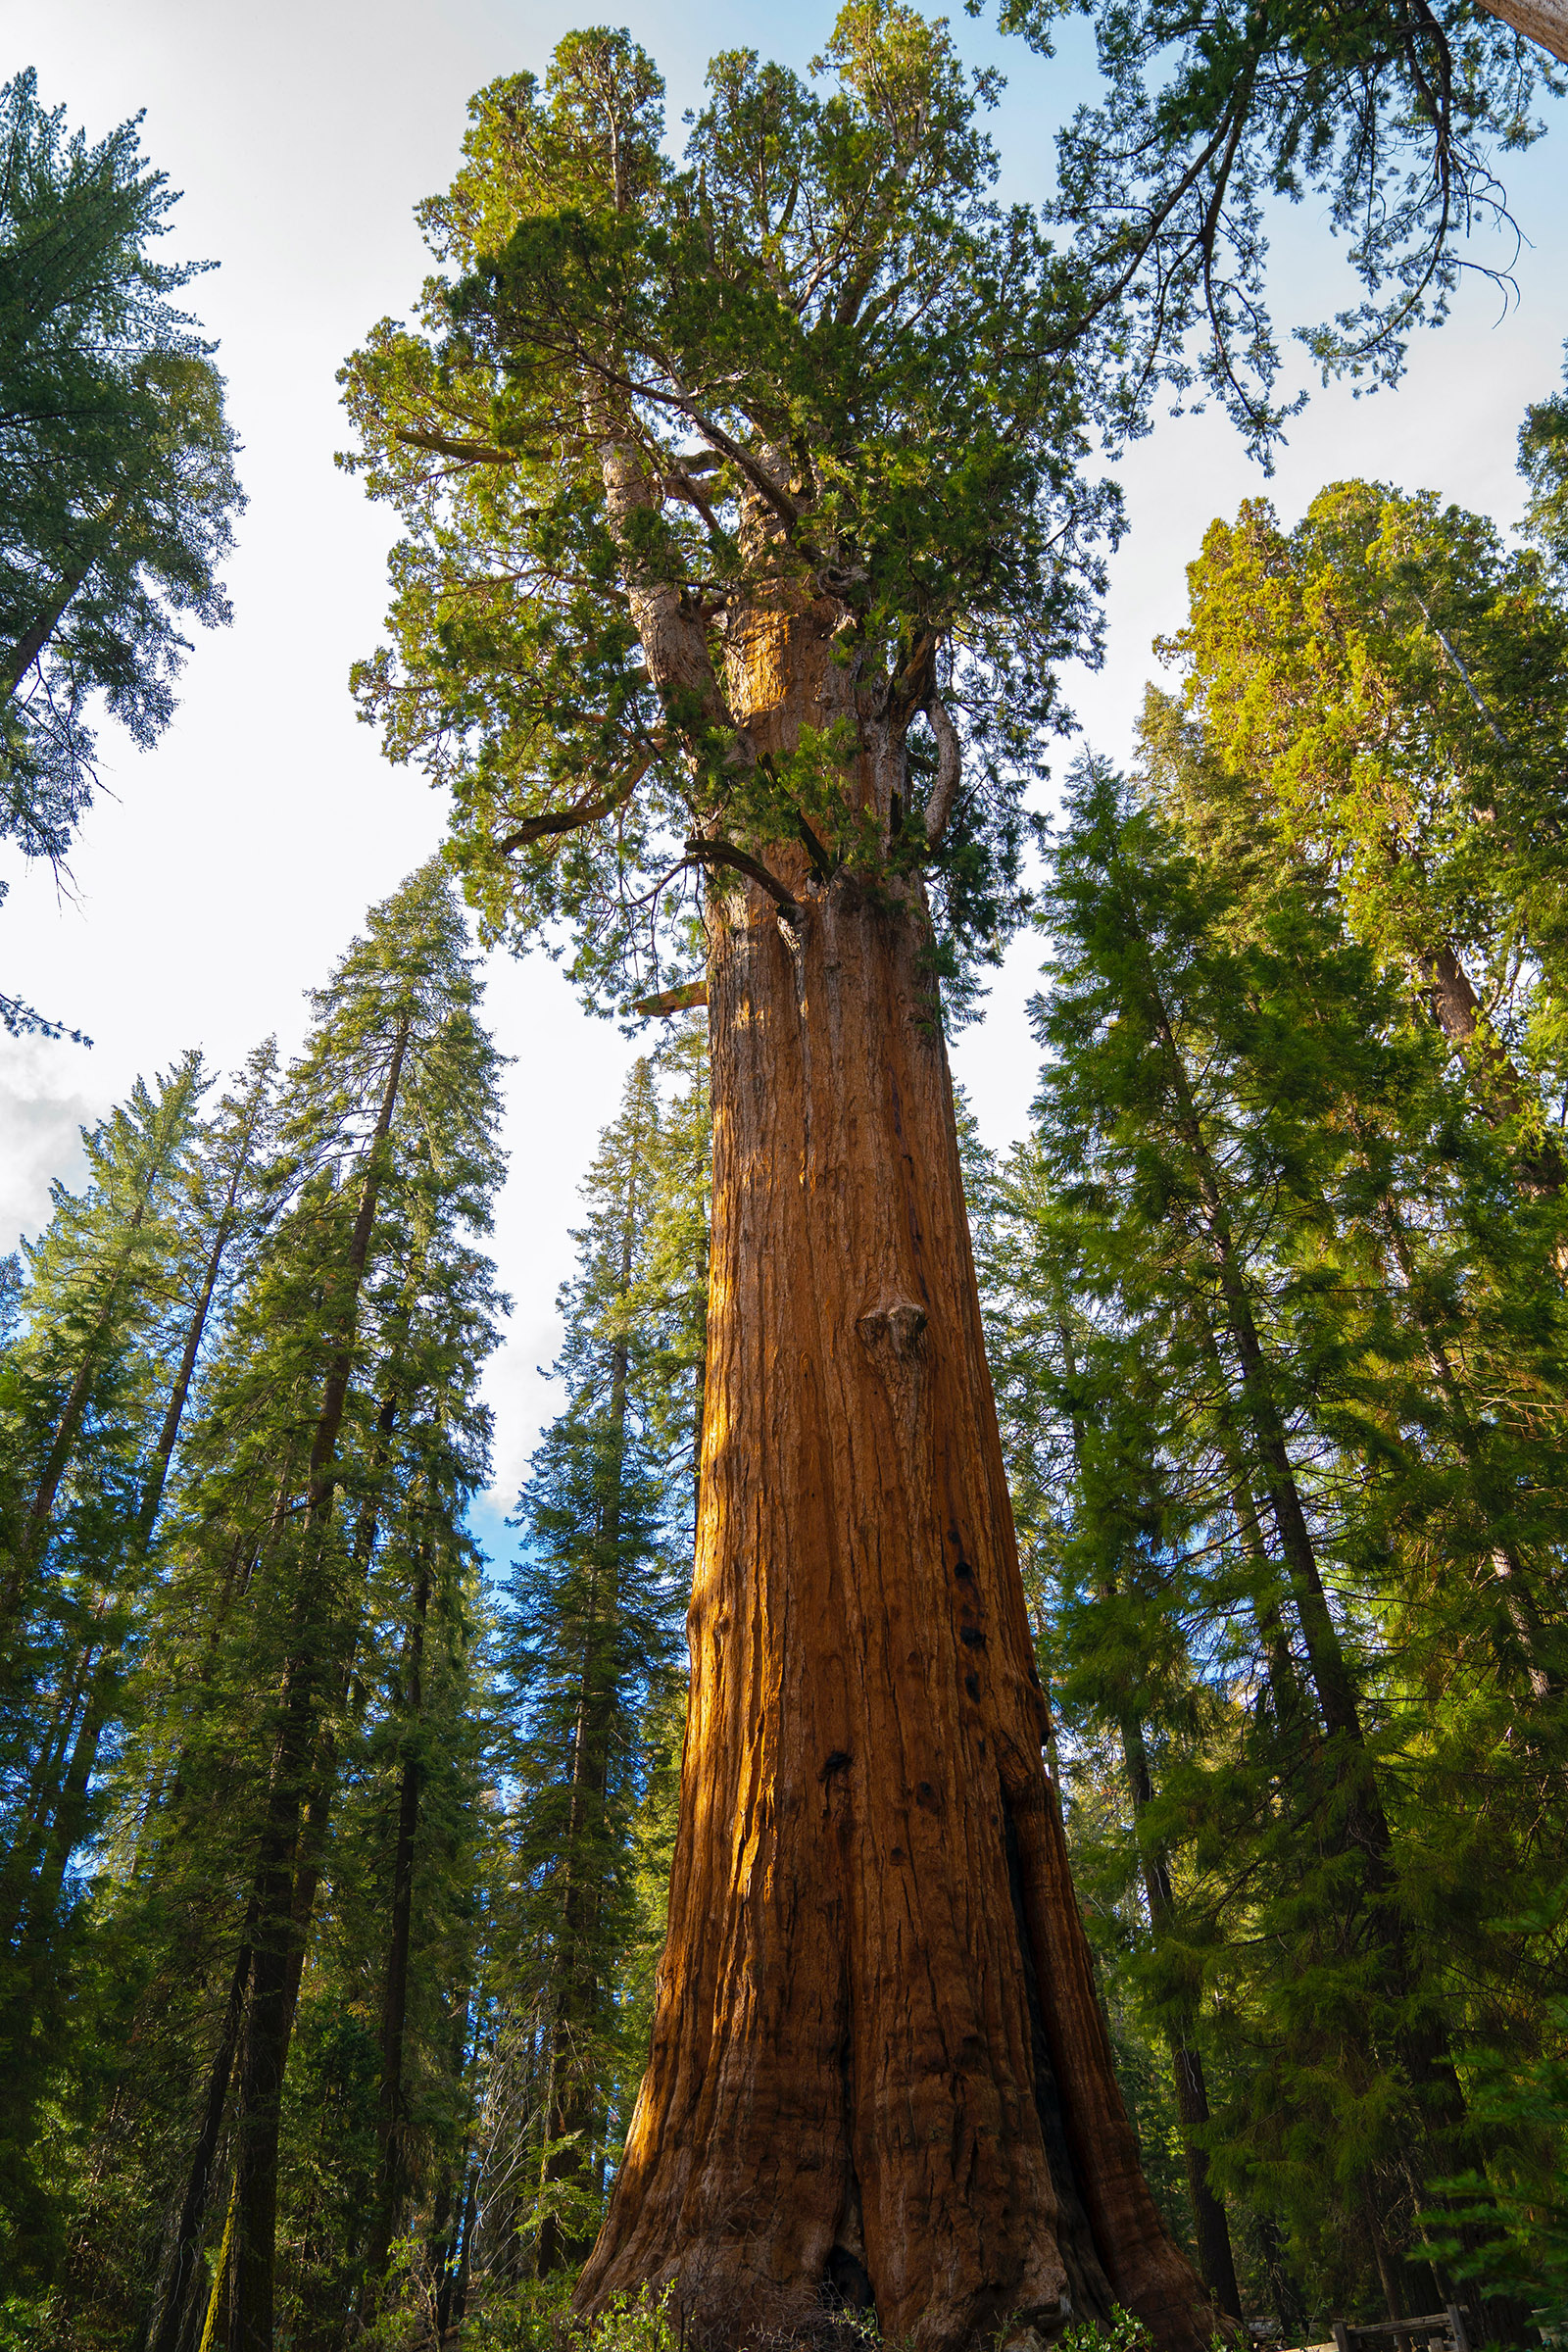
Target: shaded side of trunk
(879, 2068)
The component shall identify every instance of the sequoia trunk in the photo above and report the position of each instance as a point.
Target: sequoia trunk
(1544, 21)
(879, 2069)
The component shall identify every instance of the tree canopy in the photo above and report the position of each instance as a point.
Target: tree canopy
(651, 409)
(1393, 118)
(1382, 692)
(117, 463)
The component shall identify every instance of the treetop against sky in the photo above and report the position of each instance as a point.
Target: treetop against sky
(893, 380)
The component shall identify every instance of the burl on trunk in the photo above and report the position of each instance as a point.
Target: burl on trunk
(879, 2069)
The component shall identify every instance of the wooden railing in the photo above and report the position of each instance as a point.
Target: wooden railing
(1443, 2331)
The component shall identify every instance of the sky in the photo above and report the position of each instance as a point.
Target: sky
(220, 874)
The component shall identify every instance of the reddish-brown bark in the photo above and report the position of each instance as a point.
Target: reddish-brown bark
(879, 2065)
(1544, 21)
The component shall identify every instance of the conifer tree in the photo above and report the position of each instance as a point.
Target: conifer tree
(312, 1509)
(82, 1379)
(606, 1518)
(117, 463)
(1244, 1386)
(745, 524)
(1381, 691)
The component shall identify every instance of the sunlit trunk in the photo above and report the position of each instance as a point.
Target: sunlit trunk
(879, 2068)
(1544, 21)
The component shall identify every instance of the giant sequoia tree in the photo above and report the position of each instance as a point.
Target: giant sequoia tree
(745, 522)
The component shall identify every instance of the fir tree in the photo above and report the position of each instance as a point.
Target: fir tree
(608, 1515)
(306, 1477)
(115, 458)
(1236, 1388)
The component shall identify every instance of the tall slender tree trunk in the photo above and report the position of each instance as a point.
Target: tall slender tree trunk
(34, 1532)
(317, 1807)
(1266, 1583)
(391, 2123)
(171, 2305)
(1210, 2225)
(1495, 1080)
(19, 659)
(1523, 1645)
(879, 2065)
(34, 1528)
(571, 2098)
(272, 1975)
(62, 1819)
(36, 1812)
(179, 2263)
(1209, 2221)
(1421, 2042)
(195, 1330)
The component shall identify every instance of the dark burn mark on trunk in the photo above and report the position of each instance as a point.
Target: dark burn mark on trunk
(1089, 2288)
(846, 2282)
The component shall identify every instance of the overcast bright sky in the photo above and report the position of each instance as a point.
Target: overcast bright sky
(220, 874)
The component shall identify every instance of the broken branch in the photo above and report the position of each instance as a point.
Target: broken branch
(692, 996)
